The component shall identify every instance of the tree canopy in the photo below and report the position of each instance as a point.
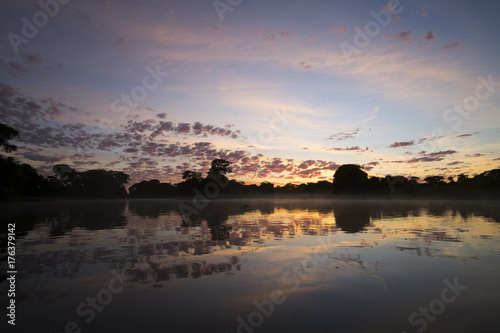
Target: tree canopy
(219, 168)
(350, 179)
(7, 133)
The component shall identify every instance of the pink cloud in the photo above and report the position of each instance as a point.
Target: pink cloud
(401, 144)
(452, 46)
(428, 37)
(313, 38)
(303, 64)
(285, 34)
(355, 148)
(403, 37)
(344, 135)
(341, 29)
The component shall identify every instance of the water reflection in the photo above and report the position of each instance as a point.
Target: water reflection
(377, 258)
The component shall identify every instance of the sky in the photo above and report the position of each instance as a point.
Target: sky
(286, 90)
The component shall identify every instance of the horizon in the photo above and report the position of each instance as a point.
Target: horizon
(287, 92)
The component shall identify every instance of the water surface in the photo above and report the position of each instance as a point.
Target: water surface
(256, 266)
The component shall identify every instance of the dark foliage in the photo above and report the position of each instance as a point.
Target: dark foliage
(7, 133)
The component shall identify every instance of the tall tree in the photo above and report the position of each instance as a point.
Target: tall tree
(7, 133)
(188, 174)
(103, 183)
(350, 179)
(219, 169)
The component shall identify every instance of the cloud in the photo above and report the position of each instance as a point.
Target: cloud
(305, 169)
(475, 155)
(355, 148)
(461, 136)
(428, 37)
(432, 157)
(271, 38)
(390, 6)
(139, 148)
(340, 29)
(285, 34)
(439, 153)
(452, 46)
(372, 116)
(42, 158)
(403, 37)
(160, 128)
(31, 58)
(424, 159)
(82, 163)
(344, 135)
(83, 18)
(401, 144)
(17, 68)
(121, 42)
(306, 164)
(25, 64)
(303, 64)
(216, 29)
(369, 166)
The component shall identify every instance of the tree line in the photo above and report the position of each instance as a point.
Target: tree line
(22, 180)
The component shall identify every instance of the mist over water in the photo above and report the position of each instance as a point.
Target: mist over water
(257, 266)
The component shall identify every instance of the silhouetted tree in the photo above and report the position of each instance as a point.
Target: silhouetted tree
(434, 180)
(65, 176)
(350, 179)
(414, 181)
(219, 169)
(102, 183)
(7, 133)
(266, 188)
(489, 179)
(151, 189)
(20, 180)
(12, 179)
(188, 174)
(144, 189)
(92, 183)
(377, 185)
(462, 179)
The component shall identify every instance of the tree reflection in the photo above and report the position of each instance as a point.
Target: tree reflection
(352, 218)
